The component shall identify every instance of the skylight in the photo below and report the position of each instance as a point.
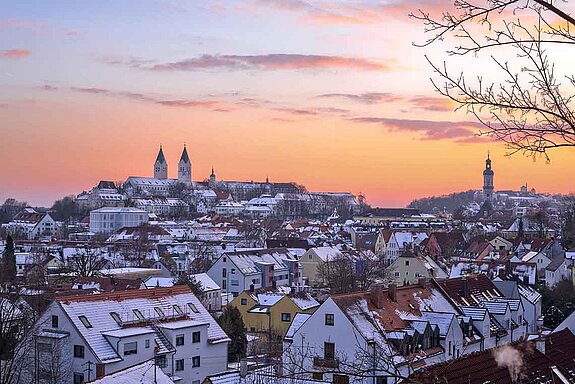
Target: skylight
(193, 308)
(116, 318)
(85, 321)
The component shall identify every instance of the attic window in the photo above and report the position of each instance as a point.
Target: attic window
(116, 318)
(85, 321)
(159, 311)
(193, 308)
(138, 314)
(178, 310)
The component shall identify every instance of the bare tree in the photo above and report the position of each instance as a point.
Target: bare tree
(86, 261)
(530, 109)
(15, 328)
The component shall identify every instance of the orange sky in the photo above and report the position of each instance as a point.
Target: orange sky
(340, 103)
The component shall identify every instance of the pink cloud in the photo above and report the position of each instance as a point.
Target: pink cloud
(430, 130)
(271, 62)
(365, 98)
(433, 104)
(213, 105)
(14, 53)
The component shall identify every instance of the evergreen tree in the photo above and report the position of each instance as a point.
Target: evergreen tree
(232, 323)
(193, 284)
(8, 273)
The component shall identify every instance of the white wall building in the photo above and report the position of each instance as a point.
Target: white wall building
(105, 333)
(109, 219)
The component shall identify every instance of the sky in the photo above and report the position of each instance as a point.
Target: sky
(329, 94)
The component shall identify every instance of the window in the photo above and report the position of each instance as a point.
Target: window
(286, 317)
(138, 314)
(116, 318)
(224, 284)
(179, 340)
(85, 321)
(329, 319)
(159, 311)
(195, 361)
(147, 344)
(317, 375)
(162, 361)
(78, 378)
(235, 283)
(178, 310)
(224, 272)
(193, 308)
(225, 259)
(396, 274)
(244, 301)
(406, 263)
(233, 271)
(54, 321)
(79, 351)
(417, 274)
(196, 337)
(180, 365)
(329, 351)
(131, 348)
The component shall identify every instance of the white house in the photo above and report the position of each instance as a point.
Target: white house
(239, 271)
(212, 299)
(109, 219)
(110, 332)
(31, 223)
(388, 333)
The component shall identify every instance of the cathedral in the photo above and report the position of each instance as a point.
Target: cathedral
(184, 167)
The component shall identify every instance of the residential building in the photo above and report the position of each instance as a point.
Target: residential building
(313, 259)
(239, 271)
(409, 268)
(109, 219)
(108, 333)
(32, 224)
(386, 332)
(264, 310)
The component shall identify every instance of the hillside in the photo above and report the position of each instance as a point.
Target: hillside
(449, 202)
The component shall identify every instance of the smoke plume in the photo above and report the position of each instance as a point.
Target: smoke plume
(510, 358)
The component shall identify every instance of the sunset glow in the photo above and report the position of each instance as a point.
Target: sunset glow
(332, 96)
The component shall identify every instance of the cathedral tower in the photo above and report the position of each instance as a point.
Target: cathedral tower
(161, 166)
(185, 167)
(212, 182)
(488, 180)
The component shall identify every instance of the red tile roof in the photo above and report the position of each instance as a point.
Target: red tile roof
(129, 294)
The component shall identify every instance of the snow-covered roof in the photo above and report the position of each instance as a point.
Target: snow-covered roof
(137, 374)
(296, 323)
(118, 210)
(154, 282)
(207, 283)
(174, 303)
(304, 301)
(327, 253)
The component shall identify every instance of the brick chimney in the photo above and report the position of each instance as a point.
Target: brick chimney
(392, 292)
(376, 294)
(422, 282)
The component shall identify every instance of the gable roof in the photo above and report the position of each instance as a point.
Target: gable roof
(98, 308)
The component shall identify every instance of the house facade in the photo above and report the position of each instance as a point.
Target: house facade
(89, 336)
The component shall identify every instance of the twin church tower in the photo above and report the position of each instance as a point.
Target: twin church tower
(184, 167)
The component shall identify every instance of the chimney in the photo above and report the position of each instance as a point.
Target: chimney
(464, 287)
(422, 282)
(252, 287)
(392, 292)
(376, 293)
(508, 267)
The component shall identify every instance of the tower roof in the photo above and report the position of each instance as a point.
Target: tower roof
(185, 158)
(161, 158)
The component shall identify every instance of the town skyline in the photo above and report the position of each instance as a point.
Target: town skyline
(340, 105)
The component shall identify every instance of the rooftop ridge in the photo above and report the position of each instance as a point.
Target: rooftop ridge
(127, 295)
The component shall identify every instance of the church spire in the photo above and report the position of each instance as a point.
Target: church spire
(185, 158)
(185, 167)
(161, 158)
(161, 165)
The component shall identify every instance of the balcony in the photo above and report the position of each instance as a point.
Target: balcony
(320, 362)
